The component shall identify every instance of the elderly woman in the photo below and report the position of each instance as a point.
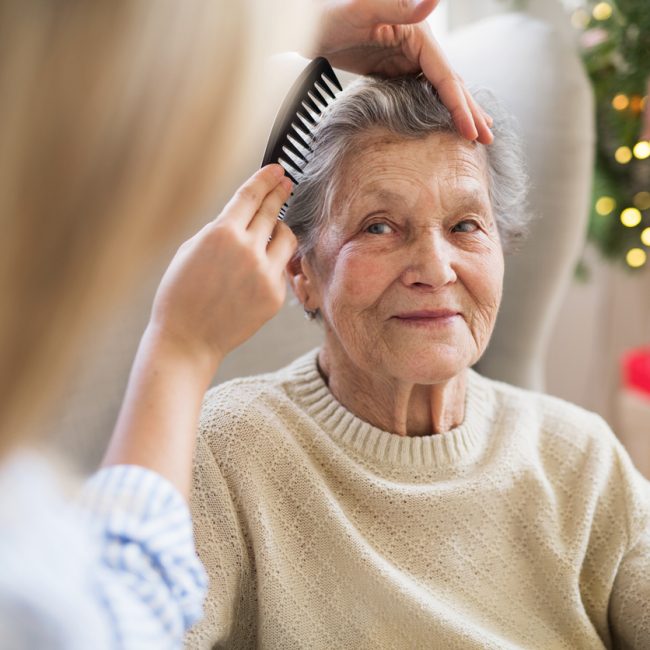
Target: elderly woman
(378, 492)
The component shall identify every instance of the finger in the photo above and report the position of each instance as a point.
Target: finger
(243, 206)
(264, 221)
(282, 246)
(429, 55)
(485, 135)
(394, 12)
(486, 116)
(452, 94)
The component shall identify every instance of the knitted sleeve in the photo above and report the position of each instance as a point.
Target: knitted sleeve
(220, 547)
(629, 608)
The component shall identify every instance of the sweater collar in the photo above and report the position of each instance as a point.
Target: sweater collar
(439, 450)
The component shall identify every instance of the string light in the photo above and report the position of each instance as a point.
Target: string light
(623, 155)
(602, 11)
(580, 19)
(636, 103)
(606, 24)
(642, 149)
(642, 200)
(630, 217)
(645, 236)
(636, 257)
(605, 205)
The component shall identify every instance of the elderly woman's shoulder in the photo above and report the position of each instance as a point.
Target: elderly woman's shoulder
(237, 397)
(552, 417)
(244, 403)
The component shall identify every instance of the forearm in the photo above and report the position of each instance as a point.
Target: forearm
(157, 424)
(222, 285)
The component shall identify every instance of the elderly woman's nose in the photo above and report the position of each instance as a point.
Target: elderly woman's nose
(429, 260)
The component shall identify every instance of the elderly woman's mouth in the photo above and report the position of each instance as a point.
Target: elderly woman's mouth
(436, 317)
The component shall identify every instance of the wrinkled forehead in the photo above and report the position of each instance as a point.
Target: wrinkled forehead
(386, 166)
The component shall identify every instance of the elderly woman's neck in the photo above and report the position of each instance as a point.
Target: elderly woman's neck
(404, 408)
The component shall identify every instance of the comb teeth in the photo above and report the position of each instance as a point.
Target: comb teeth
(299, 137)
(318, 95)
(306, 120)
(291, 169)
(305, 114)
(311, 105)
(290, 140)
(293, 151)
(328, 74)
(323, 87)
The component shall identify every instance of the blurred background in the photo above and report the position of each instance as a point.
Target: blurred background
(575, 321)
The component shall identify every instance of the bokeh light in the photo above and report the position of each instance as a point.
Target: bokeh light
(602, 11)
(636, 103)
(642, 200)
(642, 149)
(605, 205)
(630, 217)
(636, 257)
(620, 102)
(580, 19)
(645, 236)
(623, 155)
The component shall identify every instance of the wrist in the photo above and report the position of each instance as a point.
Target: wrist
(176, 354)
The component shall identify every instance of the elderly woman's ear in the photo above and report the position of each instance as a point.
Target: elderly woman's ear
(302, 278)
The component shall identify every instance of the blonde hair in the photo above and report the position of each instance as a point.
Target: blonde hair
(113, 123)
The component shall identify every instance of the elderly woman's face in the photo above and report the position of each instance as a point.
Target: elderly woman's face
(408, 270)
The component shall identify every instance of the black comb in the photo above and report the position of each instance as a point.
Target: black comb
(312, 92)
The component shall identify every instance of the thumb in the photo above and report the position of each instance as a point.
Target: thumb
(399, 12)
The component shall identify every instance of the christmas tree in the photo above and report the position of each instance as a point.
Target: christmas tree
(615, 44)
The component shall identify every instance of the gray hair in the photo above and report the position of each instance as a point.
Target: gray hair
(408, 107)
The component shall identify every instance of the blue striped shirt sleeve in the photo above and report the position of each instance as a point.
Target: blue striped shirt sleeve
(149, 578)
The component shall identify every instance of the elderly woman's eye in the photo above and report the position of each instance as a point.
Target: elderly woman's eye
(379, 228)
(467, 225)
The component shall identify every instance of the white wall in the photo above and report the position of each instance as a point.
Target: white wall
(600, 319)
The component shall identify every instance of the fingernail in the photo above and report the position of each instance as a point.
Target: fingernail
(278, 169)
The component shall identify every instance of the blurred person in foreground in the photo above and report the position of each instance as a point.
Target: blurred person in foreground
(378, 492)
(115, 118)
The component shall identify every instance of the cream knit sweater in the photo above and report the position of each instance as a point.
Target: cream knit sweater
(525, 527)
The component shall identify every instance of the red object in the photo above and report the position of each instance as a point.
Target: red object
(636, 370)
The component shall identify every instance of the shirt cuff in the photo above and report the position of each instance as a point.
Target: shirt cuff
(129, 506)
